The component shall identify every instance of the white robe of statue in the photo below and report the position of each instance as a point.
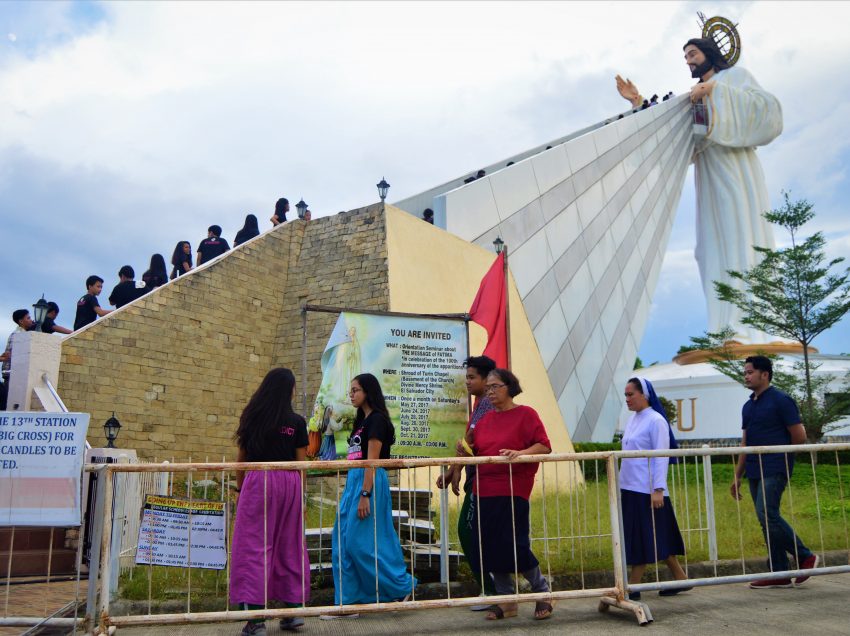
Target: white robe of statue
(731, 191)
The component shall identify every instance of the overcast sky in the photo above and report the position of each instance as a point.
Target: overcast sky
(126, 127)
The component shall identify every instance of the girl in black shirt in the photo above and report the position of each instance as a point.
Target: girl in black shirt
(269, 431)
(367, 493)
(248, 231)
(181, 259)
(156, 274)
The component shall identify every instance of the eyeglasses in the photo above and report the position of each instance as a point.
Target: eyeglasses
(491, 388)
(353, 391)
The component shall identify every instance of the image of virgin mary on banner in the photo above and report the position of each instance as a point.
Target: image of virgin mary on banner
(419, 362)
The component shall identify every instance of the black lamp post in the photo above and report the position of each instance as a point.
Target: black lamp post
(499, 244)
(39, 312)
(383, 188)
(111, 428)
(301, 207)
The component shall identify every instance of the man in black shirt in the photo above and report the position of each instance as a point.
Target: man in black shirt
(49, 325)
(88, 309)
(212, 246)
(126, 291)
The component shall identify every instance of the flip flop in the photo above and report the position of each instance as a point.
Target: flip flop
(543, 610)
(497, 612)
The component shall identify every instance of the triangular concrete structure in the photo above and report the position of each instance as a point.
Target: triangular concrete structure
(587, 223)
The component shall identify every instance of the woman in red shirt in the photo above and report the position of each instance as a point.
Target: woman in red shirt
(502, 492)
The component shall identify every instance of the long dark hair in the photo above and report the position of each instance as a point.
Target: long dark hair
(268, 409)
(177, 256)
(375, 398)
(251, 224)
(157, 267)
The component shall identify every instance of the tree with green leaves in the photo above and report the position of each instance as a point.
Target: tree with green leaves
(791, 293)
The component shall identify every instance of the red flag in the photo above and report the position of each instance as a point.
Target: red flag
(489, 309)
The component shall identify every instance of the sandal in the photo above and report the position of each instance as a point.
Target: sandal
(543, 610)
(498, 612)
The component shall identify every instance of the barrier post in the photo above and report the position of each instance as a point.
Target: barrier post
(96, 529)
(709, 505)
(444, 535)
(105, 549)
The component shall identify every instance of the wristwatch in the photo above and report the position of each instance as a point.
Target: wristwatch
(365, 493)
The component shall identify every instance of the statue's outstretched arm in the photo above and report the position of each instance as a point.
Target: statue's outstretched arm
(629, 91)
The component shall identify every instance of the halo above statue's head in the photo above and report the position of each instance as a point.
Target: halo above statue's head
(725, 36)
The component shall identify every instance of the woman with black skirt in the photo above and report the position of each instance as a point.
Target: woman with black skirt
(650, 530)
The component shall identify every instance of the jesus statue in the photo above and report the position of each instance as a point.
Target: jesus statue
(730, 189)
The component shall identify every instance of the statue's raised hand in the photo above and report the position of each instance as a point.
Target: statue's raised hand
(629, 91)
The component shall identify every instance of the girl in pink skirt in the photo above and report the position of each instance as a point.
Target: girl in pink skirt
(270, 563)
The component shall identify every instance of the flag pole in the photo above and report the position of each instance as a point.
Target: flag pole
(502, 248)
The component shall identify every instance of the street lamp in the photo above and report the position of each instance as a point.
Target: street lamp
(111, 428)
(499, 244)
(301, 207)
(383, 187)
(40, 312)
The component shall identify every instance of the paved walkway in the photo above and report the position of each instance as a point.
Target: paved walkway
(37, 599)
(818, 607)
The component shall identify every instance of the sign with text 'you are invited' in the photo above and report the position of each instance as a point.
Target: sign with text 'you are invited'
(419, 362)
(41, 463)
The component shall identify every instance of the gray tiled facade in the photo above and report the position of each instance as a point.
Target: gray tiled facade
(587, 224)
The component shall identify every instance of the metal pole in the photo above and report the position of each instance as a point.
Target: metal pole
(304, 361)
(507, 305)
(709, 506)
(96, 529)
(618, 547)
(444, 534)
(105, 545)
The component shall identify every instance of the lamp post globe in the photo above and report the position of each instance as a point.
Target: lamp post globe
(111, 428)
(301, 207)
(499, 244)
(39, 311)
(383, 188)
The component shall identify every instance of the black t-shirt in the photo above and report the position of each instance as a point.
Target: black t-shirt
(244, 235)
(47, 325)
(125, 292)
(374, 426)
(85, 311)
(281, 446)
(212, 247)
(179, 270)
(153, 280)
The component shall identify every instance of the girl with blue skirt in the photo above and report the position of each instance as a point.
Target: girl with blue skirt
(368, 564)
(650, 530)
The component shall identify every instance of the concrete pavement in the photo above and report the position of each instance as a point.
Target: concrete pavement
(820, 607)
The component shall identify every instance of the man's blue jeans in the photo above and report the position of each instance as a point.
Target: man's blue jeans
(767, 495)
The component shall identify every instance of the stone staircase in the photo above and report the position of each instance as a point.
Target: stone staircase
(413, 519)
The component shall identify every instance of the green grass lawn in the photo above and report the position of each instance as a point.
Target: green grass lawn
(571, 522)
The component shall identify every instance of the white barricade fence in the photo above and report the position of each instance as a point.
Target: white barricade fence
(575, 532)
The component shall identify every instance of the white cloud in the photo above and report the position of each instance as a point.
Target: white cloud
(202, 112)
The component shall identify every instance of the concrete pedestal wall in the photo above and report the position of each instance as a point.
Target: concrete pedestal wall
(587, 224)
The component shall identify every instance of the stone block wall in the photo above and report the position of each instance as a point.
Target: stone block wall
(178, 365)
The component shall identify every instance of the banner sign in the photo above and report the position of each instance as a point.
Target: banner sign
(41, 462)
(419, 363)
(175, 530)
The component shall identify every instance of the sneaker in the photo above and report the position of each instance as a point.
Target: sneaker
(769, 583)
(634, 596)
(335, 617)
(254, 629)
(291, 623)
(807, 564)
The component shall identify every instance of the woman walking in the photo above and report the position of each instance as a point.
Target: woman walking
(269, 562)
(368, 564)
(650, 530)
(156, 275)
(502, 493)
(248, 231)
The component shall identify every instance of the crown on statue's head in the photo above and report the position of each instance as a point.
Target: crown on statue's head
(724, 34)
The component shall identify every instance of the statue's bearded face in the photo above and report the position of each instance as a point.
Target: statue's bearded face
(696, 61)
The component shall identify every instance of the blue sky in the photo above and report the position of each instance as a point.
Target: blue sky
(126, 127)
